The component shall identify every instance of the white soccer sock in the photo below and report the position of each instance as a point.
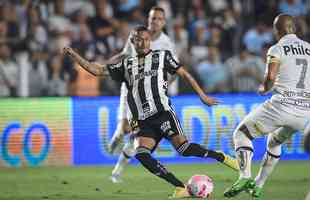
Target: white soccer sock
(122, 162)
(244, 158)
(267, 166)
(124, 158)
(272, 156)
(244, 153)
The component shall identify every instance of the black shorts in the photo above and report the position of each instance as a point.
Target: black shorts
(161, 125)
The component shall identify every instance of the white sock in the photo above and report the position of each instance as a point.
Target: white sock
(272, 156)
(244, 158)
(122, 162)
(267, 166)
(124, 158)
(244, 153)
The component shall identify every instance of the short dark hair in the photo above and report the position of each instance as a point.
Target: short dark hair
(141, 28)
(157, 8)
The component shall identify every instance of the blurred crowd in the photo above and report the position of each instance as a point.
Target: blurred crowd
(223, 43)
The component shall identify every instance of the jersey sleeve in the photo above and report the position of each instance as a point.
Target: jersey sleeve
(273, 54)
(170, 63)
(116, 71)
(171, 48)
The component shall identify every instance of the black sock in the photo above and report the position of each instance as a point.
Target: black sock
(216, 155)
(193, 149)
(156, 168)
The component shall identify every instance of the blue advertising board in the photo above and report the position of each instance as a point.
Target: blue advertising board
(95, 119)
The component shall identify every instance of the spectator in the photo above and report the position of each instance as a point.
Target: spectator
(125, 7)
(212, 72)
(37, 73)
(35, 30)
(199, 48)
(293, 7)
(84, 43)
(60, 27)
(9, 15)
(9, 72)
(36, 33)
(256, 37)
(229, 33)
(57, 78)
(179, 36)
(246, 71)
(102, 27)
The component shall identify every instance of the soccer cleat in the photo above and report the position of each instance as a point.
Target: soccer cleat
(242, 184)
(256, 192)
(230, 162)
(180, 192)
(115, 178)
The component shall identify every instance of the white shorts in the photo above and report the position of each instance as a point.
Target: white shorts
(272, 115)
(123, 107)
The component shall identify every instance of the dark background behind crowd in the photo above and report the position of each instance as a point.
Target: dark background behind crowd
(223, 43)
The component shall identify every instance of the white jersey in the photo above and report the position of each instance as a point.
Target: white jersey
(163, 42)
(290, 105)
(293, 79)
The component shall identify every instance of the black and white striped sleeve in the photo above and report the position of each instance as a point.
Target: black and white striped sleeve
(170, 64)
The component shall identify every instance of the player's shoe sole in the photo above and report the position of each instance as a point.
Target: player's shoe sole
(240, 185)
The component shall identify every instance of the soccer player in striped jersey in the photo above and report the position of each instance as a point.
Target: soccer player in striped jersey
(151, 115)
(159, 41)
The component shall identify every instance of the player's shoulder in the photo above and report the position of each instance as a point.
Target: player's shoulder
(274, 50)
(164, 38)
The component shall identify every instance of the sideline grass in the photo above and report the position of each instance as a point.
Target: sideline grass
(290, 181)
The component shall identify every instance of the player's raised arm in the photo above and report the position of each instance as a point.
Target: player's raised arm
(94, 68)
(189, 78)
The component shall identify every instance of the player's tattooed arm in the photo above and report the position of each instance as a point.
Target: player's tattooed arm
(189, 78)
(94, 68)
(271, 72)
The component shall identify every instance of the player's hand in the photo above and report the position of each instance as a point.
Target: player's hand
(262, 90)
(209, 101)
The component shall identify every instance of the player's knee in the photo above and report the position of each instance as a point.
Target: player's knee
(241, 138)
(129, 150)
(274, 146)
(141, 153)
(273, 141)
(184, 149)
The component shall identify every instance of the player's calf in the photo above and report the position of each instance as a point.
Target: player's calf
(144, 156)
(193, 149)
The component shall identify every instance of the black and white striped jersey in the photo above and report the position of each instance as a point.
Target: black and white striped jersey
(146, 80)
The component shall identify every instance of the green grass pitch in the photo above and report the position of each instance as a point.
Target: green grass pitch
(290, 181)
